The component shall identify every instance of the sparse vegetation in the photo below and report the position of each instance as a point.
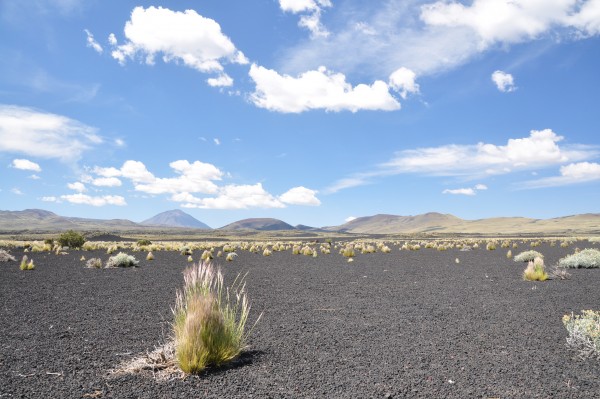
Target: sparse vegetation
(144, 242)
(5, 256)
(528, 256)
(584, 333)
(150, 256)
(94, 263)
(121, 260)
(209, 319)
(26, 264)
(71, 239)
(535, 271)
(587, 258)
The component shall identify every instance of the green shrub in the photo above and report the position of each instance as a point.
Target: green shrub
(588, 258)
(528, 256)
(71, 239)
(5, 256)
(584, 333)
(491, 246)
(144, 242)
(121, 260)
(94, 263)
(209, 319)
(535, 271)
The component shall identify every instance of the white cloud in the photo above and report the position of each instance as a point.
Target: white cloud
(460, 191)
(16, 191)
(50, 199)
(312, 10)
(107, 172)
(435, 36)
(573, 173)
(466, 191)
(84, 199)
(300, 196)
(217, 141)
(318, 89)
(540, 149)
(34, 177)
(232, 197)
(107, 182)
(185, 37)
(45, 135)
(92, 43)
(223, 80)
(77, 186)
(349, 219)
(403, 80)
(120, 143)
(504, 81)
(112, 39)
(25, 164)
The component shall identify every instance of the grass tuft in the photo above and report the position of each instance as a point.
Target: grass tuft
(209, 319)
(535, 271)
(94, 263)
(121, 260)
(528, 256)
(25, 265)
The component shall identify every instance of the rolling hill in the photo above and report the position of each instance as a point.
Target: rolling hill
(260, 224)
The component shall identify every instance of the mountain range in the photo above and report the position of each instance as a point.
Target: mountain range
(41, 220)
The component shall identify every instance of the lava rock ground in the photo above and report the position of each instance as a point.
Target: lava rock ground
(406, 324)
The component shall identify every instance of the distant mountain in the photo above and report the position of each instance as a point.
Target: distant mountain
(39, 219)
(175, 218)
(302, 227)
(445, 223)
(261, 224)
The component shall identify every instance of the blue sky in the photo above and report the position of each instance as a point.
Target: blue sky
(310, 111)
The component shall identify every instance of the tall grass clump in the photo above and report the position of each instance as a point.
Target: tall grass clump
(535, 271)
(121, 260)
(209, 319)
(587, 258)
(25, 265)
(584, 333)
(528, 256)
(94, 263)
(5, 256)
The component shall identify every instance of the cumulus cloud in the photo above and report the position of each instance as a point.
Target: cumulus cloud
(465, 191)
(92, 43)
(44, 135)
(311, 10)
(185, 37)
(539, 150)
(403, 80)
(318, 89)
(232, 197)
(300, 196)
(50, 199)
(573, 173)
(107, 182)
(222, 80)
(77, 186)
(25, 164)
(504, 81)
(83, 199)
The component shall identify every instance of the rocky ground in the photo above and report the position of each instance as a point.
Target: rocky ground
(406, 324)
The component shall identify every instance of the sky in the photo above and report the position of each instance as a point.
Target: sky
(310, 111)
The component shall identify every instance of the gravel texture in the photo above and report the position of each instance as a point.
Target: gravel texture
(405, 324)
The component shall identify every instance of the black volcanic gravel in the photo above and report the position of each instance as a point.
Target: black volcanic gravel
(406, 324)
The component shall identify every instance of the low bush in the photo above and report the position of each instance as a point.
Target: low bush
(528, 256)
(94, 263)
(144, 242)
(587, 258)
(209, 319)
(5, 256)
(121, 260)
(535, 271)
(584, 333)
(71, 239)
